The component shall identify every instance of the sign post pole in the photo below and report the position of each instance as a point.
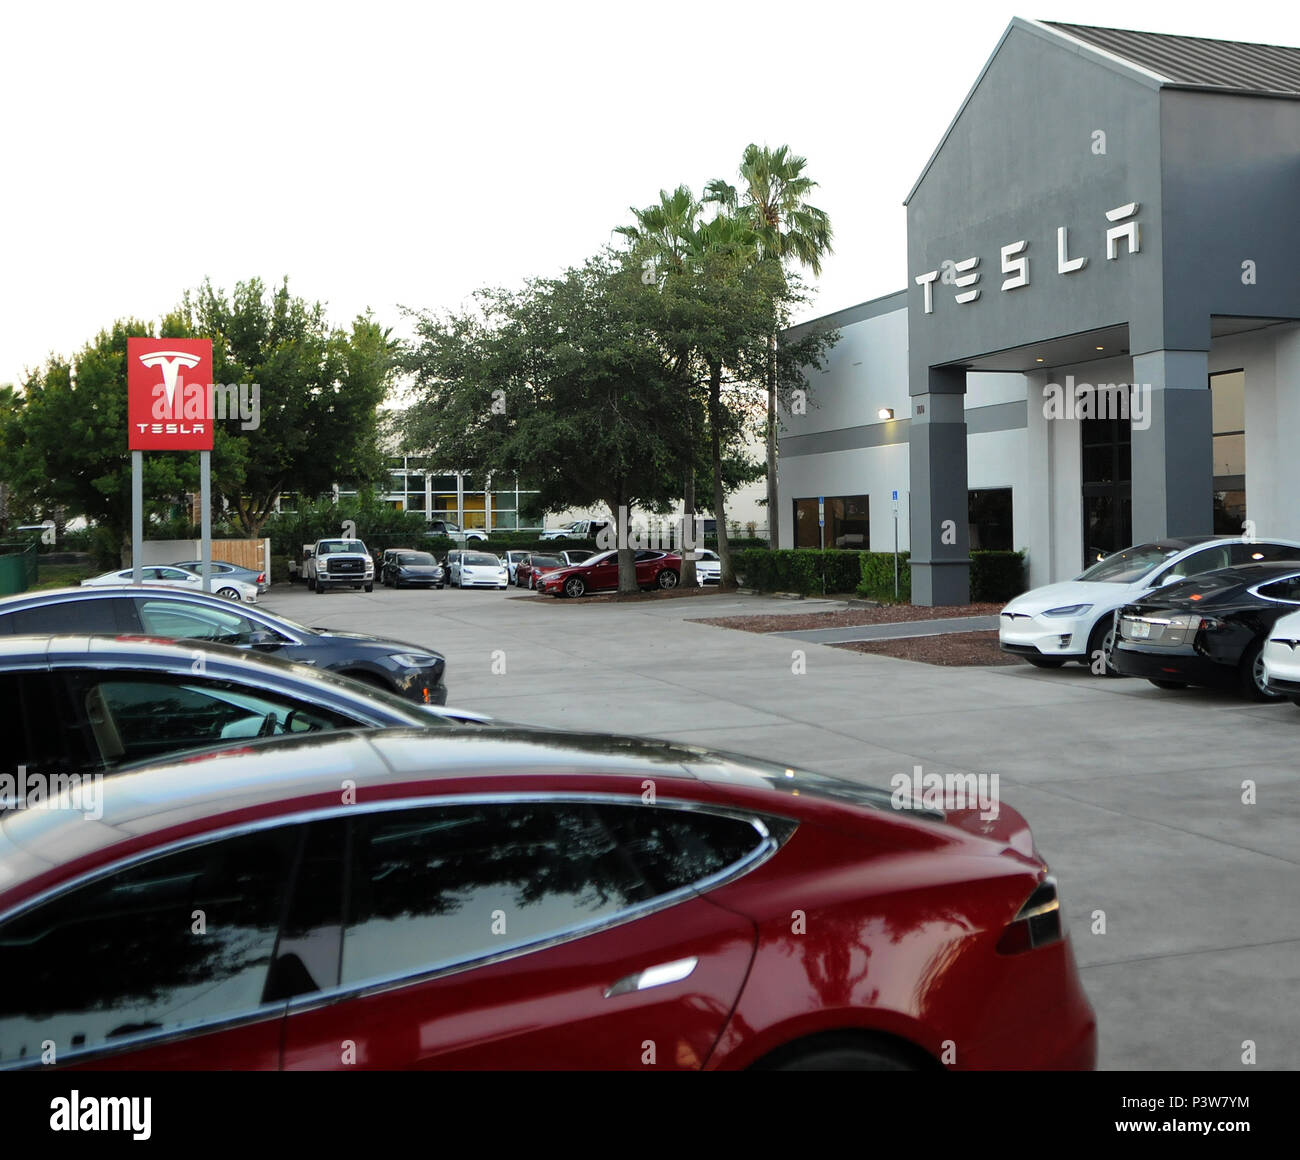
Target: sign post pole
(896, 545)
(205, 517)
(137, 515)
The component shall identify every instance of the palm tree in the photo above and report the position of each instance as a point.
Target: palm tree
(663, 237)
(773, 202)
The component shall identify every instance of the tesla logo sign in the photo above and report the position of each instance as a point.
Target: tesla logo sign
(167, 394)
(966, 274)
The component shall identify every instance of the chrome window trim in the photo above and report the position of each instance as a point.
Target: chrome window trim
(766, 848)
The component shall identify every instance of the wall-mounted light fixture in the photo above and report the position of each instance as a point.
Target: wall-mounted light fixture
(885, 413)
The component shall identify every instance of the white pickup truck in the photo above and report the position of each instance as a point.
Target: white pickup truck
(336, 563)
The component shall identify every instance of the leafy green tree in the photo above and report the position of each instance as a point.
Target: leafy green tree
(564, 383)
(772, 199)
(320, 388)
(65, 445)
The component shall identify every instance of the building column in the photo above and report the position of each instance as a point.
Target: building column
(940, 526)
(1173, 448)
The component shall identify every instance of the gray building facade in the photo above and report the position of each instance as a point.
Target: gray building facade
(1110, 227)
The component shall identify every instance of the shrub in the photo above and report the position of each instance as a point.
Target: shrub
(996, 577)
(876, 579)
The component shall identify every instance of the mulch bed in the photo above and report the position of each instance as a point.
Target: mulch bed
(952, 648)
(888, 614)
(627, 597)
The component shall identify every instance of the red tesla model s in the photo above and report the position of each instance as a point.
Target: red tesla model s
(497, 898)
(600, 573)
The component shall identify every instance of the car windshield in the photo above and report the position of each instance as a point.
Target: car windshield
(1130, 565)
(482, 559)
(601, 558)
(545, 562)
(421, 558)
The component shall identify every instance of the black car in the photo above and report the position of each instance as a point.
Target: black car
(410, 671)
(73, 703)
(1209, 629)
(410, 569)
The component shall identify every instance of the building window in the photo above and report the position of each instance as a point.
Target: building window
(990, 515)
(1228, 405)
(848, 523)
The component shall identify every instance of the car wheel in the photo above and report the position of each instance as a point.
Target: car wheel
(370, 587)
(320, 588)
(1295, 701)
(1251, 675)
(575, 586)
(1042, 662)
(1167, 684)
(228, 593)
(667, 579)
(1102, 640)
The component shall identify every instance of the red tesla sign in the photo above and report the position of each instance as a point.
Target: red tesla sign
(169, 388)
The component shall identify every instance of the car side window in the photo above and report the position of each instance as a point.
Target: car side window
(439, 886)
(121, 955)
(674, 847)
(1287, 591)
(1244, 553)
(35, 729)
(111, 616)
(192, 621)
(139, 716)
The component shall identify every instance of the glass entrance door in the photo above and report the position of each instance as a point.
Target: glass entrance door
(1107, 487)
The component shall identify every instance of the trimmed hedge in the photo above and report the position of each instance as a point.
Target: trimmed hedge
(994, 576)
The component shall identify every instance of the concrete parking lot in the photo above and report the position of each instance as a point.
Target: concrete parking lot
(1181, 896)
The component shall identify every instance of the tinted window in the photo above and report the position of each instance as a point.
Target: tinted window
(106, 616)
(122, 954)
(186, 621)
(423, 559)
(673, 848)
(1262, 553)
(137, 717)
(441, 885)
(35, 731)
(481, 559)
(1287, 590)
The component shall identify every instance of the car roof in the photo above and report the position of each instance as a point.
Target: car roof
(162, 654)
(107, 591)
(256, 775)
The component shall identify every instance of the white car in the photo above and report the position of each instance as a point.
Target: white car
(169, 577)
(476, 570)
(708, 566)
(512, 562)
(1074, 620)
(1281, 657)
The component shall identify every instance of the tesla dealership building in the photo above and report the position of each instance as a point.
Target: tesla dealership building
(1099, 339)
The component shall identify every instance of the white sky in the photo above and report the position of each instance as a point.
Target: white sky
(387, 153)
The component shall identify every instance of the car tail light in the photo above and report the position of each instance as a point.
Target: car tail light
(1038, 924)
(261, 577)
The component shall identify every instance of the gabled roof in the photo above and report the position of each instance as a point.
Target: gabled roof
(1158, 61)
(1192, 60)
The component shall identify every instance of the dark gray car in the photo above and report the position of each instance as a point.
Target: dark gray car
(409, 670)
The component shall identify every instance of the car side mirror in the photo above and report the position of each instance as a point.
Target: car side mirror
(260, 638)
(1170, 578)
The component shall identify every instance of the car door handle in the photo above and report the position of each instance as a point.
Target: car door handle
(659, 976)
